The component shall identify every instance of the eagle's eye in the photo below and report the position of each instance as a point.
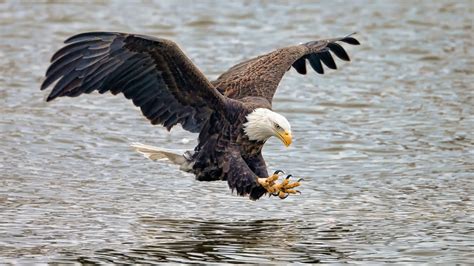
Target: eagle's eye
(277, 126)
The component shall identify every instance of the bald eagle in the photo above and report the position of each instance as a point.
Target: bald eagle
(233, 114)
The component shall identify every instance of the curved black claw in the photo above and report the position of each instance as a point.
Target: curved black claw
(275, 194)
(288, 176)
(301, 179)
(286, 196)
(278, 172)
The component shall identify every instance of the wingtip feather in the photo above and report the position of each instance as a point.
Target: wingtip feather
(87, 36)
(350, 40)
(50, 98)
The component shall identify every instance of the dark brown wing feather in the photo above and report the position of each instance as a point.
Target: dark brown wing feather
(240, 177)
(154, 73)
(261, 75)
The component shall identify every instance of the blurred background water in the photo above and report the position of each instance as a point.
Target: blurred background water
(385, 143)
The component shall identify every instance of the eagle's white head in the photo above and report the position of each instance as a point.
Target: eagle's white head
(263, 123)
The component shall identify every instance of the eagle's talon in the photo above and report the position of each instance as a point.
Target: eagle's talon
(288, 176)
(278, 172)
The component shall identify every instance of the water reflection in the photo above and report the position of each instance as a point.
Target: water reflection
(258, 241)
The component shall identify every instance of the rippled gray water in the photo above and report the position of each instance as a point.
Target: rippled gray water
(385, 143)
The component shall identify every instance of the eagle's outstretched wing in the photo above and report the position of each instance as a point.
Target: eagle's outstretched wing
(261, 75)
(154, 73)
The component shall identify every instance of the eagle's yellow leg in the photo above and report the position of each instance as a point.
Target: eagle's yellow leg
(269, 182)
(282, 189)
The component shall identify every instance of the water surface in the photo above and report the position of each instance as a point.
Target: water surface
(384, 143)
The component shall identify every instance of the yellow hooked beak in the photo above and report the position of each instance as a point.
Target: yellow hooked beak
(285, 137)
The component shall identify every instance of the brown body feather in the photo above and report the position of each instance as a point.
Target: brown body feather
(169, 89)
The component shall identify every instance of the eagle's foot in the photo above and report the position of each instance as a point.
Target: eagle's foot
(269, 182)
(283, 189)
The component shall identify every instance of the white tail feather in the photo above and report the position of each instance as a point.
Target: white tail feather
(178, 157)
(156, 153)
